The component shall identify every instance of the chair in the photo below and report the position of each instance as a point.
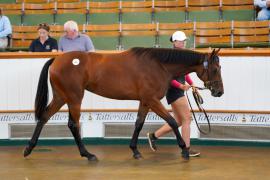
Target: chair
(103, 13)
(135, 12)
(7, 1)
(34, 14)
(203, 10)
(104, 37)
(170, 11)
(18, 44)
(24, 29)
(250, 24)
(251, 34)
(13, 12)
(32, 1)
(137, 35)
(22, 36)
(165, 31)
(65, 1)
(212, 34)
(238, 10)
(56, 31)
(72, 11)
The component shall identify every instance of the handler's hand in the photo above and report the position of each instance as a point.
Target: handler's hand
(194, 89)
(185, 87)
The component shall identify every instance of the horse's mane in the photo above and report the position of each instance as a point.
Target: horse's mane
(170, 56)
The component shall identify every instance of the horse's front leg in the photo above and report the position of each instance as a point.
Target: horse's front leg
(142, 112)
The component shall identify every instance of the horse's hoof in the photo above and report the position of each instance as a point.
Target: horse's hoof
(26, 152)
(137, 156)
(92, 158)
(185, 154)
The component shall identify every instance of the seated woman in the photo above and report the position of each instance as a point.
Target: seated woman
(44, 43)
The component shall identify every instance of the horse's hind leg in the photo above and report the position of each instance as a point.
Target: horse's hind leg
(160, 110)
(73, 124)
(142, 112)
(53, 107)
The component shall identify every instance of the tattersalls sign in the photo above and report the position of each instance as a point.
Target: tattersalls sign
(30, 117)
(215, 118)
(122, 116)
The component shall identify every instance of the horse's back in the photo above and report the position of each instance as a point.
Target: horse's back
(113, 75)
(69, 70)
(122, 75)
(67, 60)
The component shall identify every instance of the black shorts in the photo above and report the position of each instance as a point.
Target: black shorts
(173, 94)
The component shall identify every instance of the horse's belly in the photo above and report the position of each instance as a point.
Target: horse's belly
(114, 93)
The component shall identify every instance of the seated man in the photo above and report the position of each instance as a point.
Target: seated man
(5, 30)
(73, 40)
(264, 13)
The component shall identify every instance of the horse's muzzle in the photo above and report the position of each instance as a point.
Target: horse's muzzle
(217, 93)
(216, 88)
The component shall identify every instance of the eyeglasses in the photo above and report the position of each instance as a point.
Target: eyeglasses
(43, 24)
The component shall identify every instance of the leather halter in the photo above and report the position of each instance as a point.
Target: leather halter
(208, 84)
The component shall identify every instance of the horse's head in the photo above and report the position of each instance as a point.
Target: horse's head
(211, 74)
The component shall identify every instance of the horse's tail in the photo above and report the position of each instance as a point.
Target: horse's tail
(42, 94)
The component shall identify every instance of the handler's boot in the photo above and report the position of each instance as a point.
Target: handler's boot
(152, 141)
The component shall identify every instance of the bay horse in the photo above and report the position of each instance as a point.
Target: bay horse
(142, 74)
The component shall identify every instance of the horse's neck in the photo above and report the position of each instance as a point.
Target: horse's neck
(178, 69)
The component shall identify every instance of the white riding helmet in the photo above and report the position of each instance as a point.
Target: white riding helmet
(178, 36)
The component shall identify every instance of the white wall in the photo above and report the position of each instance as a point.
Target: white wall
(246, 82)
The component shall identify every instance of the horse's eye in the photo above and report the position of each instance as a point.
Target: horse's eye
(216, 70)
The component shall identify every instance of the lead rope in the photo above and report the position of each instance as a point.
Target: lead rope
(199, 101)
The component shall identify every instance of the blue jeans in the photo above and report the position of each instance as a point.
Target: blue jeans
(263, 15)
(3, 42)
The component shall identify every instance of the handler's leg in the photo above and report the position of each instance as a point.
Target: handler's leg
(158, 108)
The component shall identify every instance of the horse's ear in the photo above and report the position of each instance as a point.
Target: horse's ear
(212, 53)
(217, 51)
